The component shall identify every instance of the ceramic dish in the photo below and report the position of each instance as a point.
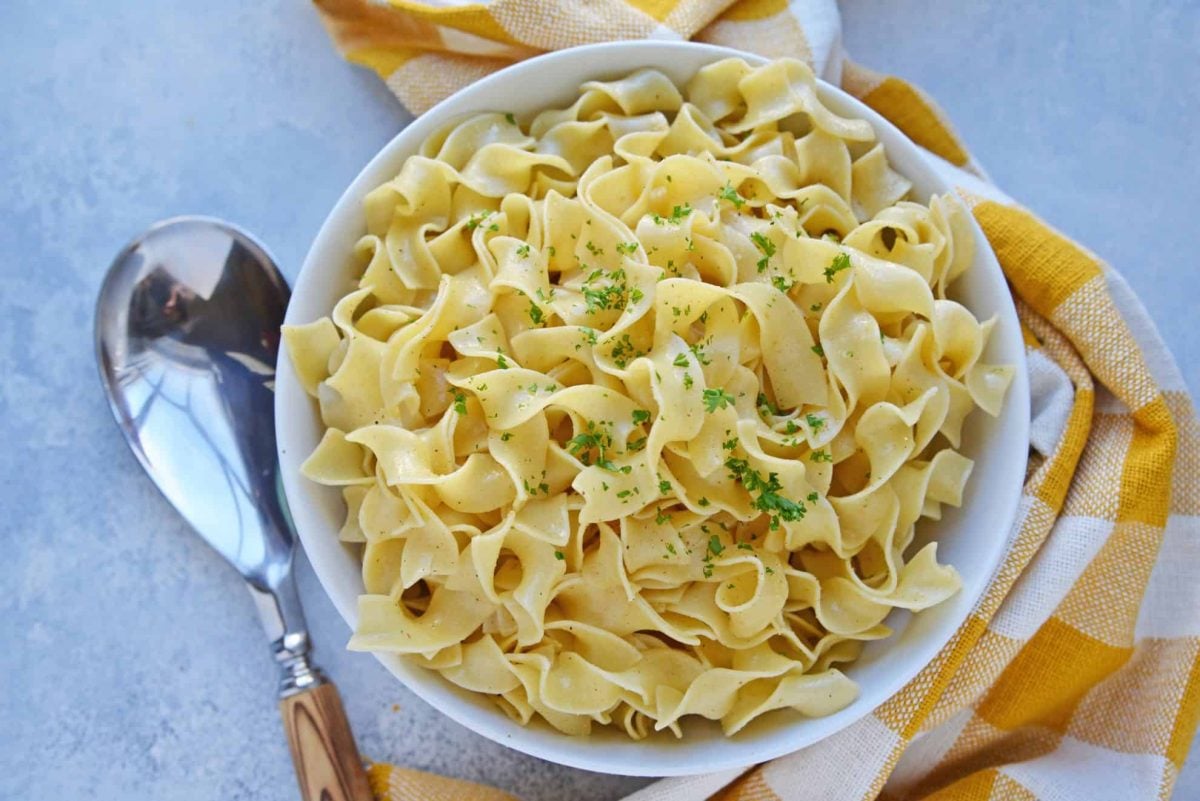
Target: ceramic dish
(972, 538)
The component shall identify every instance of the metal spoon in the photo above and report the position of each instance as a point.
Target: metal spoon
(187, 331)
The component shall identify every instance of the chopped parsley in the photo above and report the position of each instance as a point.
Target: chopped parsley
(543, 487)
(636, 444)
(460, 403)
(817, 349)
(506, 436)
(677, 215)
(523, 251)
(613, 296)
(729, 193)
(511, 119)
(765, 406)
(698, 351)
(687, 381)
(501, 362)
(595, 251)
(640, 416)
(624, 352)
(782, 284)
(660, 518)
(769, 500)
(821, 456)
(536, 314)
(730, 444)
(716, 399)
(664, 486)
(703, 502)
(559, 555)
(714, 545)
(814, 422)
(681, 360)
(627, 247)
(475, 220)
(840, 262)
(766, 246)
(594, 438)
(609, 297)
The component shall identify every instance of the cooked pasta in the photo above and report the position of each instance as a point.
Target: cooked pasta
(635, 408)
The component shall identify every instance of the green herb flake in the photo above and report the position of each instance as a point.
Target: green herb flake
(714, 545)
(769, 500)
(460, 403)
(501, 362)
(817, 349)
(730, 194)
(664, 486)
(840, 262)
(628, 248)
(766, 246)
(506, 436)
(511, 119)
(681, 360)
(559, 555)
(640, 416)
(821, 456)
(716, 399)
(536, 314)
(814, 422)
(687, 381)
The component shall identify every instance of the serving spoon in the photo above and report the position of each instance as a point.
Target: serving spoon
(187, 331)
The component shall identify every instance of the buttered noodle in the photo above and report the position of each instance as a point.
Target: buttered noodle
(636, 407)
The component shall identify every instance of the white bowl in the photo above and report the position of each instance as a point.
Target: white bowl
(972, 538)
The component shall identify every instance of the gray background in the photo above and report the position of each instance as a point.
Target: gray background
(131, 663)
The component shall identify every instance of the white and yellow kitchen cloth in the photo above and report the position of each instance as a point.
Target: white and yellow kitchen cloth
(1077, 675)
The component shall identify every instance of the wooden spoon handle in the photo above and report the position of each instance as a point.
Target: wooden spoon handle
(327, 762)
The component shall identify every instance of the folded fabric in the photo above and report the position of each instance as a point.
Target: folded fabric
(1077, 674)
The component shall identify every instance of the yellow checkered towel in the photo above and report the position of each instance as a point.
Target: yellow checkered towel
(1077, 674)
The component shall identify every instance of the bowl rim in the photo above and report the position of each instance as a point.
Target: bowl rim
(427, 684)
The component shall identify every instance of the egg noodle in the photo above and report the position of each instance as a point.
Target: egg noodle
(635, 408)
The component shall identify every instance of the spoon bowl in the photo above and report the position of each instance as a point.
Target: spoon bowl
(187, 330)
